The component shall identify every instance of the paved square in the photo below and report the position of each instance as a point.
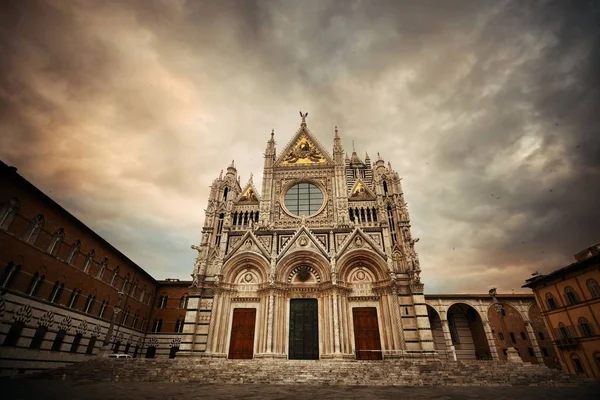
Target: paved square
(75, 390)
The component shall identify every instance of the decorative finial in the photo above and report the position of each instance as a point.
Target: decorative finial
(272, 133)
(353, 148)
(303, 115)
(336, 131)
(366, 156)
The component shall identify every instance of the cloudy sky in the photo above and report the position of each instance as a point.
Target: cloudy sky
(127, 110)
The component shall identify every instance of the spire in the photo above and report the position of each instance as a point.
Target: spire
(336, 133)
(221, 175)
(232, 164)
(231, 170)
(250, 180)
(367, 158)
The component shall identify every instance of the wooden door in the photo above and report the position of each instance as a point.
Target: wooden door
(241, 344)
(366, 333)
(304, 329)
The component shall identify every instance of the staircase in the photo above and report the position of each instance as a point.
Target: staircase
(393, 372)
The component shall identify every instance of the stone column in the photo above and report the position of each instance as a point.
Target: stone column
(270, 324)
(336, 324)
(449, 345)
(490, 338)
(210, 339)
(534, 342)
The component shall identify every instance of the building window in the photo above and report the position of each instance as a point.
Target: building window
(392, 224)
(9, 212)
(530, 350)
(179, 325)
(116, 346)
(73, 299)
(512, 337)
(35, 284)
(125, 316)
(74, 252)
(564, 332)
(142, 294)
(127, 346)
(10, 271)
(89, 259)
(60, 337)
(102, 309)
(162, 301)
(151, 352)
(173, 351)
(219, 230)
(136, 349)
(133, 287)
(38, 337)
(225, 191)
(500, 336)
(56, 292)
(114, 276)
(75, 343)
(56, 241)
(33, 230)
(593, 288)
(103, 266)
(89, 304)
(577, 365)
(90, 346)
(150, 298)
(125, 281)
(183, 302)
(571, 296)
(14, 333)
(385, 188)
(523, 337)
(585, 328)
(544, 352)
(550, 301)
(303, 199)
(541, 335)
(157, 325)
(135, 319)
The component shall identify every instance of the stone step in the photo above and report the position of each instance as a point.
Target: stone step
(398, 372)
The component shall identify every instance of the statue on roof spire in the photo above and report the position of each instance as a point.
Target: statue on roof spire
(303, 115)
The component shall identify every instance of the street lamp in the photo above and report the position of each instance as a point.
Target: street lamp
(116, 311)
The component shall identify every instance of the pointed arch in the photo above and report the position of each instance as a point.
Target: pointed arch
(56, 241)
(9, 211)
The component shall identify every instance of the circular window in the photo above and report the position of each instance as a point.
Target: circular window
(303, 199)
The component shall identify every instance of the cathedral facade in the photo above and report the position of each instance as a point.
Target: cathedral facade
(319, 264)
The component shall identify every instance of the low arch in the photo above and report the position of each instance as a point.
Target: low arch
(467, 332)
(365, 258)
(303, 257)
(437, 332)
(247, 260)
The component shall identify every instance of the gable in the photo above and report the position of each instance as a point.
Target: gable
(303, 150)
(360, 191)
(303, 239)
(249, 194)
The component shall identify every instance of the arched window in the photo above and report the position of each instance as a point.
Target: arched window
(577, 365)
(74, 252)
(385, 188)
(225, 191)
(143, 293)
(151, 352)
(35, 284)
(162, 301)
(593, 288)
(89, 259)
(125, 282)
(550, 301)
(133, 287)
(10, 271)
(563, 332)
(56, 292)
(103, 266)
(91, 345)
(102, 308)
(584, 327)
(114, 276)
(157, 325)
(8, 213)
(89, 304)
(183, 301)
(126, 315)
(75, 343)
(14, 333)
(58, 340)
(150, 298)
(34, 228)
(56, 241)
(571, 296)
(135, 319)
(38, 337)
(73, 299)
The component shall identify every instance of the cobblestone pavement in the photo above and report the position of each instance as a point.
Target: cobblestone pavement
(74, 390)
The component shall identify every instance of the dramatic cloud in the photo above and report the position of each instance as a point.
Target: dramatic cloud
(127, 110)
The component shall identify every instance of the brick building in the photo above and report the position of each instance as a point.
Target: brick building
(570, 301)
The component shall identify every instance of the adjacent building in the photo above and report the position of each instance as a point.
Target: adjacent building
(570, 301)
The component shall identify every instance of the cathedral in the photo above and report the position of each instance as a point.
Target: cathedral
(318, 264)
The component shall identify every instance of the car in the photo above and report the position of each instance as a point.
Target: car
(119, 355)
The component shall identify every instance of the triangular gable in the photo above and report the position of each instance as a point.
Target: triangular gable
(361, 191)
(248, 242)
(249, 194)
(358, 239)
(311, 242)
(304, 149)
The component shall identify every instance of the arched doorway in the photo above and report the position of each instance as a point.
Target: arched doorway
(467, 333)
(437, 332)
